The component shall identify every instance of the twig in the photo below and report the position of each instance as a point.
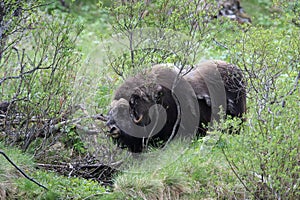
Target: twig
(23, 173)
(96, 194)
(220, 44)
(101, 117)
(292, 90)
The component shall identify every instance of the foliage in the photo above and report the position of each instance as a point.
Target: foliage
(37, 69)
(72, 140)
(158, 32)
(266, 158)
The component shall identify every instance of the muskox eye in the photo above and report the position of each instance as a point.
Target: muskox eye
(158, 95)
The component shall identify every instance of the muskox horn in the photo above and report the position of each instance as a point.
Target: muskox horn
(139, 119)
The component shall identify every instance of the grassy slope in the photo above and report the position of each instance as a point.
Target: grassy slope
(14, 186)
(200, 172)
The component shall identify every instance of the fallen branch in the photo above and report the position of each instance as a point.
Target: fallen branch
(23, 173)
(101, 172)
(77, 165)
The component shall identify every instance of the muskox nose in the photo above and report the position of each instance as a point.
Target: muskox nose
(114, 132)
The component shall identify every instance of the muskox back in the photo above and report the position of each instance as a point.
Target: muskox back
(217, 83)
(147, 76)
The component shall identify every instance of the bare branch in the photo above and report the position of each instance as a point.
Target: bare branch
(293, 89)
(21, 171)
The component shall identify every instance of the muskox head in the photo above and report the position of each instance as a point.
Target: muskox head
(121, 128)
(146, 97)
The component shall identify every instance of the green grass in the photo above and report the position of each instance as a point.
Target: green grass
(182, 171)
(259, 11)
(14, 186)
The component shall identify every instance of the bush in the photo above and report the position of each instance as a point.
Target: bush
(37, 70)
(265, 158)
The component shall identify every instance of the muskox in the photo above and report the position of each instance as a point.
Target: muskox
(189, 103)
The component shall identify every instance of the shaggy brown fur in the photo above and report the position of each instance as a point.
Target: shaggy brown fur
(216, 73)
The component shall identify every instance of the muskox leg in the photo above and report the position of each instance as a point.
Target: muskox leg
(205, 115)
